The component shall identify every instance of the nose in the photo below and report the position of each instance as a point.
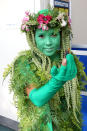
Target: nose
(48, 42)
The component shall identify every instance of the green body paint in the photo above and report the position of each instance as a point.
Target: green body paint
(47, 42)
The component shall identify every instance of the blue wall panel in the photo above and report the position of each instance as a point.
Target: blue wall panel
(83, 59)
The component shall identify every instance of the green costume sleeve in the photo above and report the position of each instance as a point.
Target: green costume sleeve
(59, 76)
(42, 95)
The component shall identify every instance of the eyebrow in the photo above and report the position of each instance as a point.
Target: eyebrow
(41, 33)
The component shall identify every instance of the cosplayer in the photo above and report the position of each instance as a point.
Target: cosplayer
(46, 79)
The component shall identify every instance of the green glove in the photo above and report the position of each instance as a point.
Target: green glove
(59, 76)
(67, 72)
(42, 95)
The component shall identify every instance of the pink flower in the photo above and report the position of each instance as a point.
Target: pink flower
(27, 13)
(40, 18)
(25, 19)
(47, 19)
(23, 27)
(40, 25)
(27, 28)
(44, 27)
(44, 19)
(69, 20)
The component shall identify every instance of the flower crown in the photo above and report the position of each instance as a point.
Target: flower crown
(46, 19)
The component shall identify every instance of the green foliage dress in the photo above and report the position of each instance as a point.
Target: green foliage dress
(63, 110)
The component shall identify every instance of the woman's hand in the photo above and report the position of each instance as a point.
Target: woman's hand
(64, 62)
(29, 88)
(67, 71)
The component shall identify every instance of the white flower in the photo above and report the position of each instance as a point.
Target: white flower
(44, 27)
(64, 23)
(60, 16)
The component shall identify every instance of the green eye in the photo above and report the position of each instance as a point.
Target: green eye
(41, 36)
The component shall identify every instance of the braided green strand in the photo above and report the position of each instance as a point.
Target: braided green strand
(43, 64)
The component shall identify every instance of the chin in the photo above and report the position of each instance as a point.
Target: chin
(49, 54)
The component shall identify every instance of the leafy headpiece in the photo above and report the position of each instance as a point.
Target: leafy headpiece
(46, 19)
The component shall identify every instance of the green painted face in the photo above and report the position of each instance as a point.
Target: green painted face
(47, 42)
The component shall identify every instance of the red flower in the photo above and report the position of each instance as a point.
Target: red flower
(44, 19)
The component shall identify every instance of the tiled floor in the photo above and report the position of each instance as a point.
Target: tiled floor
(7, 124)
(3, 128)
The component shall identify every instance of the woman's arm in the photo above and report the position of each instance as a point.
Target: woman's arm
(32, 86)
(42, 95)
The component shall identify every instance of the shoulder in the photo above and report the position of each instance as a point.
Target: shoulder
(23, 57)
(21, 62)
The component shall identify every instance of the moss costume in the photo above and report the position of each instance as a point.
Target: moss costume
(60, 111)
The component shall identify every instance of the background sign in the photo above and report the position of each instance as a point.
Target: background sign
(62, 5)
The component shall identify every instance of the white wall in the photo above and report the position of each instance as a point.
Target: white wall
(79, 21)
(44, 4)
(12, 41)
